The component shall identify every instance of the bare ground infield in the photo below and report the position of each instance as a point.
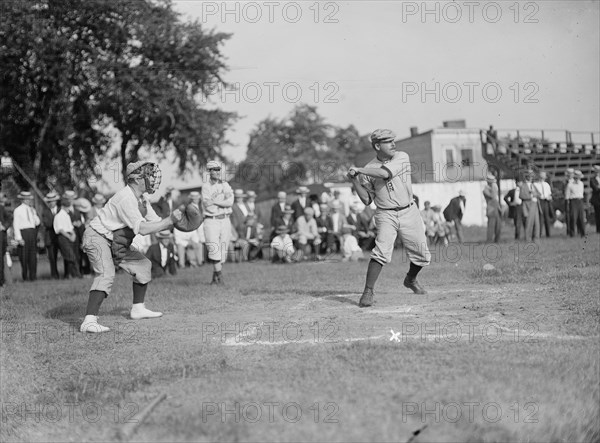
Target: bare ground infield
(285, 354)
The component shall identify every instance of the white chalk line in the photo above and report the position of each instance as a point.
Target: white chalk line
(429, 338)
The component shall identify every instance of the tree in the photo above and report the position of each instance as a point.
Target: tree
(298, 149)
(72, 69)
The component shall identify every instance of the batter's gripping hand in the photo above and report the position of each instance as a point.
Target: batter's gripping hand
(352, 173)
(190, 218)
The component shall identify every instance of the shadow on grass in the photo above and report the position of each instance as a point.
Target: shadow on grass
(73, 313)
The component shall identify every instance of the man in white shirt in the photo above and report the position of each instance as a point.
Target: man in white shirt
(545, 192)
(25, 224)
(107, 241)
(574, 194)
(67, 240)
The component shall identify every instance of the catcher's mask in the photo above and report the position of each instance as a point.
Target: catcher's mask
(151, 174)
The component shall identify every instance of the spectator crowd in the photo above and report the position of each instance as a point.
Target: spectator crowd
(303, 227)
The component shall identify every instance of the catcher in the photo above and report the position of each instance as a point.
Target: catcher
(108, 238)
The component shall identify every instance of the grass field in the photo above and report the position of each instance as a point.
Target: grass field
(283, 353)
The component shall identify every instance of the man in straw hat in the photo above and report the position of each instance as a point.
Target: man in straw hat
(529, 196)
(50, 236)
(386, 181)
(108, 238)
(25, 224)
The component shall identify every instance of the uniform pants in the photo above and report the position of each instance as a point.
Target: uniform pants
(28, 254)
(408, 224)
(218, 233)
(98, 251)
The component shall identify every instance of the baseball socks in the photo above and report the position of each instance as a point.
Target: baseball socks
(138, 310)
(90, 322)
(411, 279)
(373, 272)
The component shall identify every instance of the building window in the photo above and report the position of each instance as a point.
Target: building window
(466, 157)
(449, 157)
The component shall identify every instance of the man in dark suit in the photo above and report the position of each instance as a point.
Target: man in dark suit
(50, 237)
(5, 223)
(301, 202)
(454, 213)
(277, 210)
(595, 200)
(162, 255)
(515, 209)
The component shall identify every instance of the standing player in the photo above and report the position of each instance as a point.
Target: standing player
(386, 181)
(108, 238)
(217, 199)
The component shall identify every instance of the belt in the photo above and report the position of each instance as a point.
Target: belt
(218, 217)
(397, 209)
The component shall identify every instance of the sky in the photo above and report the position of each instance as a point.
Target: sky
(396, 64)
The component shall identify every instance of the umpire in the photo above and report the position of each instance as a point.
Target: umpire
(386, 181)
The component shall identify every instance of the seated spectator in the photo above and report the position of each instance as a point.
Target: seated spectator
(363, 232)
(323, 227)
(351, 251)
(253, 238)
(162, 255)
(427, 214)
(286, 218)
(188, 248)
(282, 246)
(306, 234)
(440, 228)
(336, 221)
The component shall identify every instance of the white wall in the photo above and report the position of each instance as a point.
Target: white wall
(441, 193)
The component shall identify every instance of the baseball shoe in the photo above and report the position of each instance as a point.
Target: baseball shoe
(217, 278)
(412, 283)
(139, 311)
(366, 299)
(90, 324)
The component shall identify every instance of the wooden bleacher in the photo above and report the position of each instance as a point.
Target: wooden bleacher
(514, 154)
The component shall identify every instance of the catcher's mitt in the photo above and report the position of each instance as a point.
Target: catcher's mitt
(192, 218)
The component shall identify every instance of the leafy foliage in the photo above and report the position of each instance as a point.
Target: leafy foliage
(72, 70)
(298, 149)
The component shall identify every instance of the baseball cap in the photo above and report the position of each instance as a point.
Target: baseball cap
(382, 135)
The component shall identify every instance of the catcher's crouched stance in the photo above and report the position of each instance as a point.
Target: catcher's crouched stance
(108, 238)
